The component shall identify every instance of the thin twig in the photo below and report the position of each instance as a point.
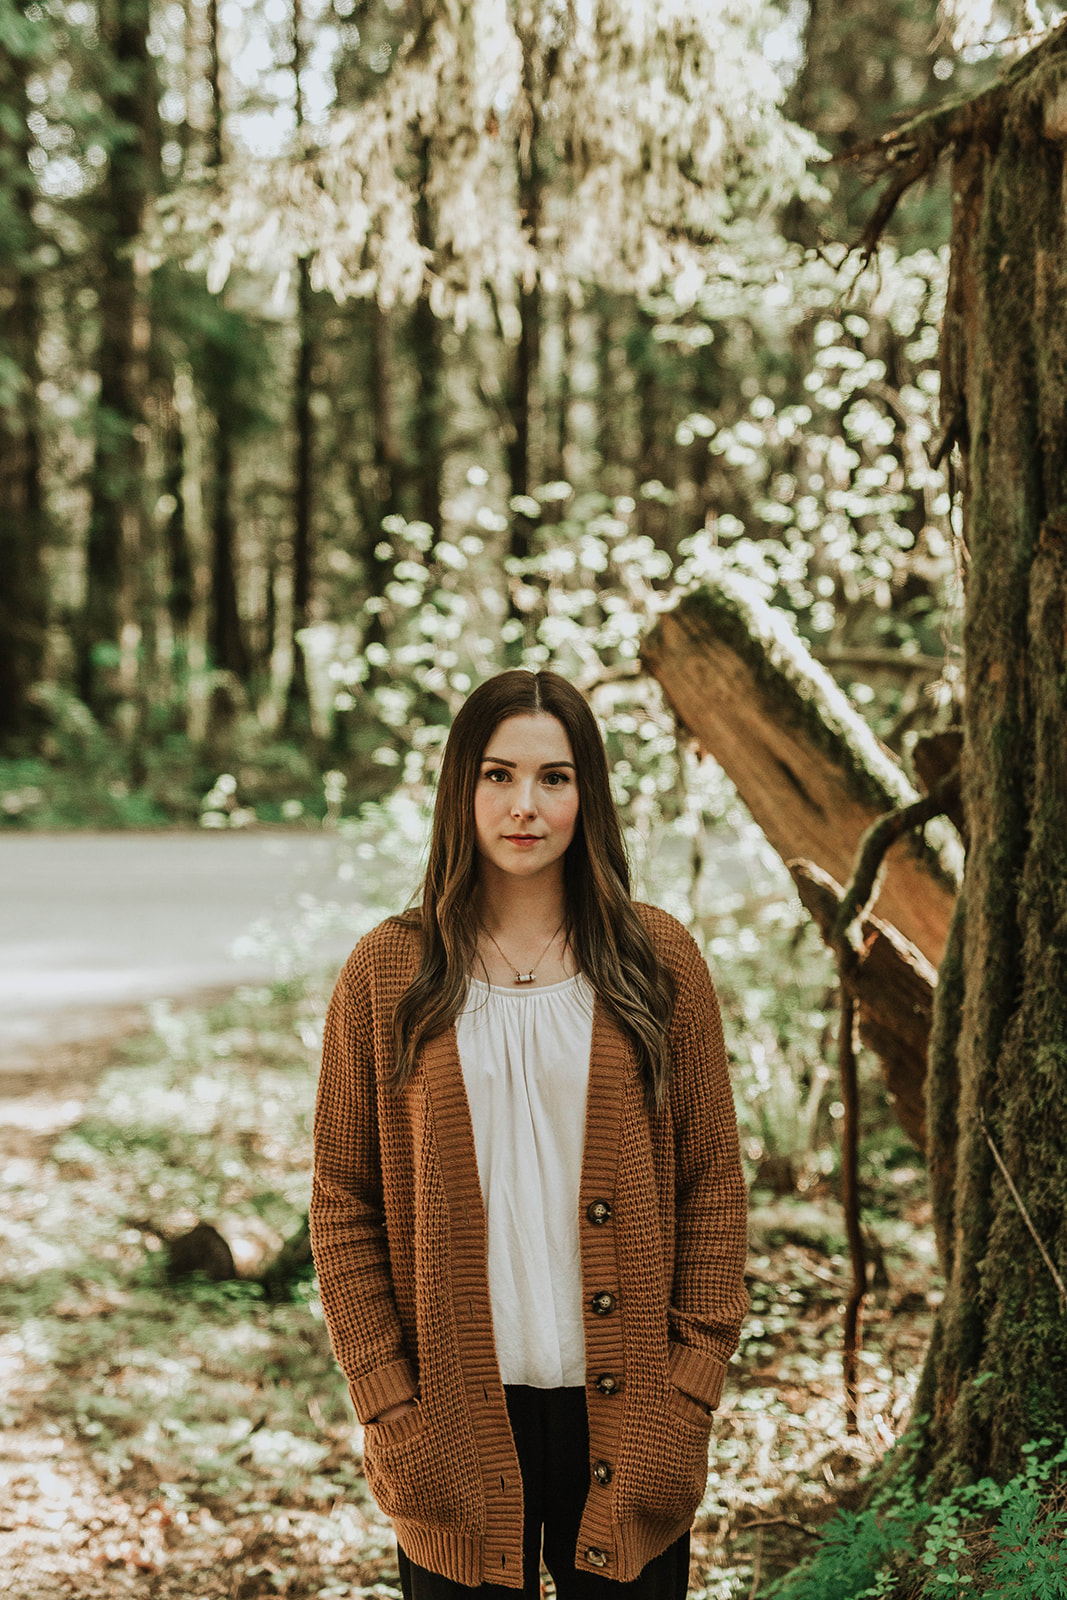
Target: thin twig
(1017, 1197)
(756, 1565)
(850, 1206)
(778, 1522)
(846, 941)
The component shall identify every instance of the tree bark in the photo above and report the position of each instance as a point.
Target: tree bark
(806, 765)
(22, 590)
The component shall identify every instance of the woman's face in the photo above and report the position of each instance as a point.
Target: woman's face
(526, 797)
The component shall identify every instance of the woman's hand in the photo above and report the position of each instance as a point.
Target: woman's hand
(394, 1413)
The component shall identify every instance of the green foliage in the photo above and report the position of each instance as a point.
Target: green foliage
(998, 1540)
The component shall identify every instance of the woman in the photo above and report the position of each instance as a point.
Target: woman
(528, 1213)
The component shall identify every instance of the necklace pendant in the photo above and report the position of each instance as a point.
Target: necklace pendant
(524, 977)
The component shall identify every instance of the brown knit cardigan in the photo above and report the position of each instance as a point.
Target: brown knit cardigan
(399, 1237)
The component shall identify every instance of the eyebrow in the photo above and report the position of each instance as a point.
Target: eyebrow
(499, 761)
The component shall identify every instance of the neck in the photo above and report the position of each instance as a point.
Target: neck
(534, 905)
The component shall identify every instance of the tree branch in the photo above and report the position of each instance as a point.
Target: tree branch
(874, 846)
(912, 150)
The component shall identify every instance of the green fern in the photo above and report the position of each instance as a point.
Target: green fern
(868, 1555)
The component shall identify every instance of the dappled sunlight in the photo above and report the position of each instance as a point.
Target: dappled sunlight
(193, 1438)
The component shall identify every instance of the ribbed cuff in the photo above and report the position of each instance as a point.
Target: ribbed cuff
(699, 1376)
(388, 1386)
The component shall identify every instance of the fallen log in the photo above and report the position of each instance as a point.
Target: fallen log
(893, 987)
(804, 762)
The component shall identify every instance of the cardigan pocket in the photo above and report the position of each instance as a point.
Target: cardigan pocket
(414, 1477)
(669, 1471)
(688, 1409)
(397, 1428)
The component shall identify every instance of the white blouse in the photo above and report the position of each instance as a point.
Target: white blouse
(525, 1060)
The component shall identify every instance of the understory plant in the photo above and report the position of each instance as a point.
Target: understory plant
(1004, 1541)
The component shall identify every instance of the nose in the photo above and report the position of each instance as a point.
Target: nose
(522, 801)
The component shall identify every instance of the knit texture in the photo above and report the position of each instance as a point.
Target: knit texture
(399, 1236)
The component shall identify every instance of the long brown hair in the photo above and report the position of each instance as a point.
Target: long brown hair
(606, 935)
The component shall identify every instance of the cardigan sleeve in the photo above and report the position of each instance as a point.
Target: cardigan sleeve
(708, 1296)
(347, 1220)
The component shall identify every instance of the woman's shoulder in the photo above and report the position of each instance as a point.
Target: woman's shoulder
(673, 943)
(667, 934)
(389, 951)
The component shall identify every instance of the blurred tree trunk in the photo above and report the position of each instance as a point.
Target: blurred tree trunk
(194, 552)
(655, 432)
(226, 636)
(227, 641)
(179, 587)
(376, 490)
(610, 402)
(22, 591)
(522, 392)
(560, 465)
(428, 414)
(297, 710)
(111, 629)
(303, 493)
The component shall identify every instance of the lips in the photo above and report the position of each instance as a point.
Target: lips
(522, 838)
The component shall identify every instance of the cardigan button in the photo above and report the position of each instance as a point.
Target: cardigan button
(595, 1557)
(603, 1303)
(607, 1383)
(599, 1213)
(602, 1472)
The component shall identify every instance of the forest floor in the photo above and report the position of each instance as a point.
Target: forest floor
(161, 1441)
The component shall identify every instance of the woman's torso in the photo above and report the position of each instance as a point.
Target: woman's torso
(525, 1054)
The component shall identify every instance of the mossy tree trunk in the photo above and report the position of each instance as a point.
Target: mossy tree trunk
(998, 1070)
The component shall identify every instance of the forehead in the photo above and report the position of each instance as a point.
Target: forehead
(533, 737)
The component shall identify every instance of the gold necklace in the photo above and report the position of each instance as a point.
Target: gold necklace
(523, 977)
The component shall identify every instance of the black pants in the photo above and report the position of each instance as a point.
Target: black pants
(552, 1440)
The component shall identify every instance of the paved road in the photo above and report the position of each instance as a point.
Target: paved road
(94, 924)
